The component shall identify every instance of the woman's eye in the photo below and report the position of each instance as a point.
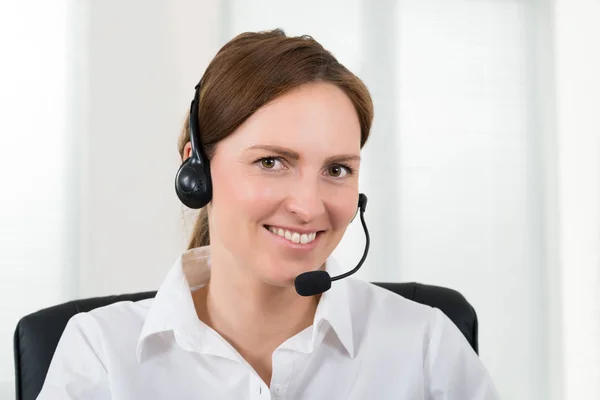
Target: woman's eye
(268, 162)
(337, 171)
(273, 163)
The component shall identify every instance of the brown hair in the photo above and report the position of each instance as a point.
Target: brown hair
(250, 71)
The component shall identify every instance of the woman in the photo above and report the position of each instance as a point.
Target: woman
(282, 123)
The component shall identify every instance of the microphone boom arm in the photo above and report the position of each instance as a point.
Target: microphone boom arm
(364, 256)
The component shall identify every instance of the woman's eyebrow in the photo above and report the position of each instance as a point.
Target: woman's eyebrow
(276, 149)
(295, 156)
(342, 158)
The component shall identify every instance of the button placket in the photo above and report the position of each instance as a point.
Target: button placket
(258, 389)
(263, 391)
(283, 367)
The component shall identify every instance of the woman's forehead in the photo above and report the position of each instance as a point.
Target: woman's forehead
(316, 102)
(313, 117)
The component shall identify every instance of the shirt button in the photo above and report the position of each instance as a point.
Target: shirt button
(279, 390)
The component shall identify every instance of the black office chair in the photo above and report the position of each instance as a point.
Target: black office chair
(37, 334)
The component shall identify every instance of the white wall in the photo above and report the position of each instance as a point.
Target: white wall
(34, 167)
(578, 97)
(141, 72)
(470, 200)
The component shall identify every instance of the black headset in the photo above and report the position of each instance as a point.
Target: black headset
(193, 184)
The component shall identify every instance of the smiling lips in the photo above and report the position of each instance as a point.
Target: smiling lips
(294, 237)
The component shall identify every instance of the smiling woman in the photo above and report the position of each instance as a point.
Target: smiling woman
(281, 168)
(272, 145)
(276, 65)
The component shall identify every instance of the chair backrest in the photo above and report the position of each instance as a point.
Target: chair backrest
(37, 334)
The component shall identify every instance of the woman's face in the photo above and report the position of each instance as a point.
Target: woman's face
(285, 184)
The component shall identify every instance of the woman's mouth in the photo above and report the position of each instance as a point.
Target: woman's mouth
(291, 236)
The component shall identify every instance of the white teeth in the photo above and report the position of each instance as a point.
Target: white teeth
(294, 237)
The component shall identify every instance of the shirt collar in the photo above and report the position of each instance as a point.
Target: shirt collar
(334, 309)
(172, 310)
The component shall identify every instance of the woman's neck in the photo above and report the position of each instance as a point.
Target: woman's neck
(253, 316)
(256, 311)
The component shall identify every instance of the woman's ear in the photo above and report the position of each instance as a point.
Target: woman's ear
(187, 151)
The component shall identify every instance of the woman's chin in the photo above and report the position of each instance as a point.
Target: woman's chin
(282, 278)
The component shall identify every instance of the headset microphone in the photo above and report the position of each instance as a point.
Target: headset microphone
(316, 282)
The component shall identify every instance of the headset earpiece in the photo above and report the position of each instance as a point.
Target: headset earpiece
(193, 183)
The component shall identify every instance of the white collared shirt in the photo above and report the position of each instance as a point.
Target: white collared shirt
(365, 343)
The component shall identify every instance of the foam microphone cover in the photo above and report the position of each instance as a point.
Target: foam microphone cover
(312, 283)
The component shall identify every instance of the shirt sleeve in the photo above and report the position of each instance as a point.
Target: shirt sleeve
(453, 370)
(76, 370)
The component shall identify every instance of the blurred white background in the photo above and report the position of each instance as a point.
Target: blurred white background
(482, 171)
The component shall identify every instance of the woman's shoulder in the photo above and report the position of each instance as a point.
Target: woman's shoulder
(120, 321)
(90, 344)
(122, 310)
(384, 303)
(388, 315)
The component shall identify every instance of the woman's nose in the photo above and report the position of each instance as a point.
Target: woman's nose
(305, 201)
